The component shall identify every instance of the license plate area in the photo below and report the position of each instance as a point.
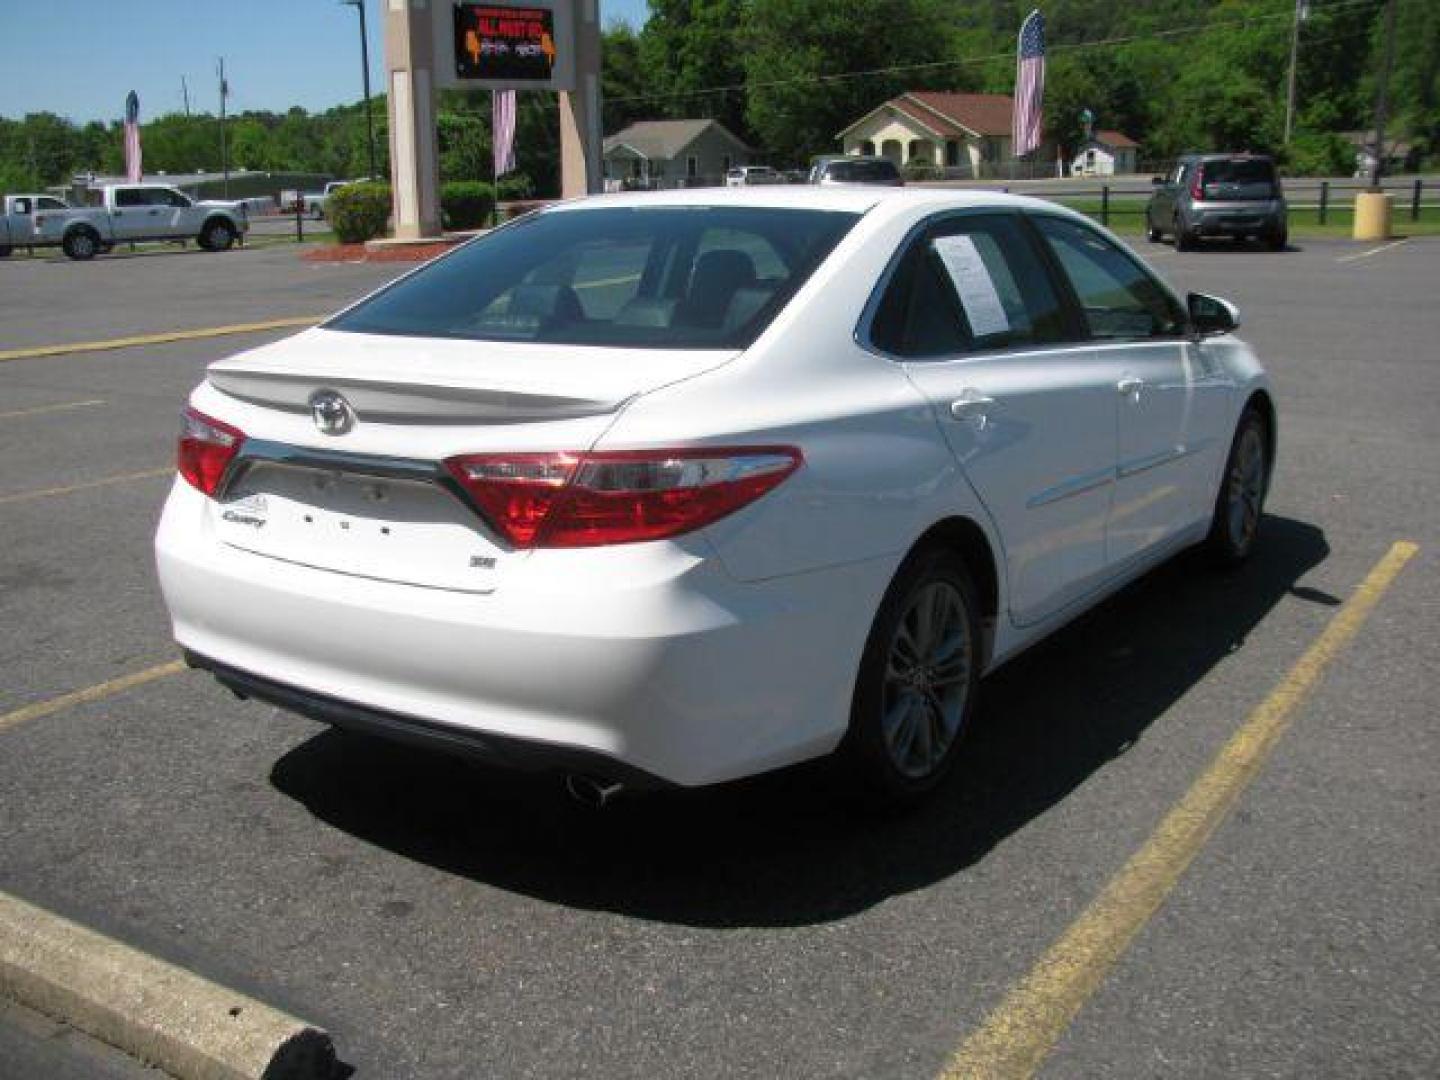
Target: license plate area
(407, 531)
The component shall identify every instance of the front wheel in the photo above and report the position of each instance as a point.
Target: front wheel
(1278, 241)
(1241, 499)
(918, 679)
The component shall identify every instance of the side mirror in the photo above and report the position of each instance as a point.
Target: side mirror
(1212, 315)
(1157, 180)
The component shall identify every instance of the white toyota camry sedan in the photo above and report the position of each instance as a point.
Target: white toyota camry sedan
(672, 489)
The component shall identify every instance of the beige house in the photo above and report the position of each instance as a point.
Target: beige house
(672, 153)
(961, 134)
(1106, 153)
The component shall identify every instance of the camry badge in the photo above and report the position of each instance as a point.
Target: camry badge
(331, 412)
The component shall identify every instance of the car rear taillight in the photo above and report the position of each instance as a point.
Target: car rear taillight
(616, 497)
(1197, 185)
(205, 449)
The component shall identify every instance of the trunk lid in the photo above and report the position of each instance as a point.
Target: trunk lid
(374, 502)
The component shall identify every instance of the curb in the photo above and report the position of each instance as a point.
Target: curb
(154, 1011)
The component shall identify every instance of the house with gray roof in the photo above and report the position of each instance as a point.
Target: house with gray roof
(672, 153)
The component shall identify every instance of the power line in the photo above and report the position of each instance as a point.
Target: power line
(1007, 56)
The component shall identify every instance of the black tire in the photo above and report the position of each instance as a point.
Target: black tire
(1278, 241)
(1183, 240)
(81, 244)
(1240, 502)
(908, 719)
(4, 251)
(217, 235)
(1153, 234)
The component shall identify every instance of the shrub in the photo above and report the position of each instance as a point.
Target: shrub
(921, 170)
(515, 185)
(466, 204)
(1320, 154)
(358, 212)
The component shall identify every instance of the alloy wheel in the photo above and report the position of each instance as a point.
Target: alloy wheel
(927, 679)
(1245, 488)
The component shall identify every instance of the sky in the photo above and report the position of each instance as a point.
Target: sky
(278, 53)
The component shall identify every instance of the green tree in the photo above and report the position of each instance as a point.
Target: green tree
(792, 46)
(693, 61)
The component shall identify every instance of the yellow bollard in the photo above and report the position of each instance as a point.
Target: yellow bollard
(1372, 215)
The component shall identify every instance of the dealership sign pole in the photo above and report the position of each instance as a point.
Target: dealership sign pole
(433, 44)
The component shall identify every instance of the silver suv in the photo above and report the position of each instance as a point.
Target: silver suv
(1208, 195)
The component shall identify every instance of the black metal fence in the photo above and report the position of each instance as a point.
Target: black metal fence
(1329, 201)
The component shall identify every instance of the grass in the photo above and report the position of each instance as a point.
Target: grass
(1127, 216)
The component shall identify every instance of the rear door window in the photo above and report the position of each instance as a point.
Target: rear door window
(968, 284)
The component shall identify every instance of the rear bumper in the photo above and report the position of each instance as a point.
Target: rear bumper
(1220, 220)
(646, 658)
(494, 749)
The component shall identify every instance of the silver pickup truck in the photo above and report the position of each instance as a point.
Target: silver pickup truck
(21, 215)
(134, 212)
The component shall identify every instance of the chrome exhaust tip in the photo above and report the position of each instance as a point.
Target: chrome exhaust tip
(592, 791)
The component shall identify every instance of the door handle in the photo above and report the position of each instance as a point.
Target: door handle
(970, 404)
(1130, 386)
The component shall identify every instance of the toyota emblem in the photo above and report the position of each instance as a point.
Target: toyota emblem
(331, 412)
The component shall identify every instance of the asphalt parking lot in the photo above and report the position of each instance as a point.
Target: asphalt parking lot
(443, 920)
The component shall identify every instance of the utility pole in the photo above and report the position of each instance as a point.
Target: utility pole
(359, 6)
(1378, 169)
(224, 150)
(1302, 12)
(185, 94)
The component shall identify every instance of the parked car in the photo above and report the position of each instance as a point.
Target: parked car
(133, 212)
(1209, 195)
(741, 175)
(18, 222)
(315, 202)
(659, 498)
(854, 169)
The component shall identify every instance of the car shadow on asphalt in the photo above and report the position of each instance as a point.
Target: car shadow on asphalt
(791, 848)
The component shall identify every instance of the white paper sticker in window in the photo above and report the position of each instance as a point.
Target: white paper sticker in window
(973, 284)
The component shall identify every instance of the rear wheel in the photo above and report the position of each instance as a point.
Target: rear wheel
(80, 244)
(1183, 240)
(917, 683)
(4, 251)
(217, 235)
(1153, 234)
(1241, 499)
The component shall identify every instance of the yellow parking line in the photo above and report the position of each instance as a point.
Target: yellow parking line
(89, 694)
(155, 339)
(1372, 251)
(1018, 1035)
(123, 478)
(40, 410)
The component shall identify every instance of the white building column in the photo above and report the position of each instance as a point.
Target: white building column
(414, 156)
(580, 134)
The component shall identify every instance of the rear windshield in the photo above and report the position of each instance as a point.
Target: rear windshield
(636, 277)
(1245, 178)
(862, 172)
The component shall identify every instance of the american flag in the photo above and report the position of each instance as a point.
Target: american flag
(1029, 85)
(503, 111)
(132, 138)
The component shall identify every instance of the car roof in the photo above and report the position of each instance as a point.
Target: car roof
(853, 198)
(1242, 155)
